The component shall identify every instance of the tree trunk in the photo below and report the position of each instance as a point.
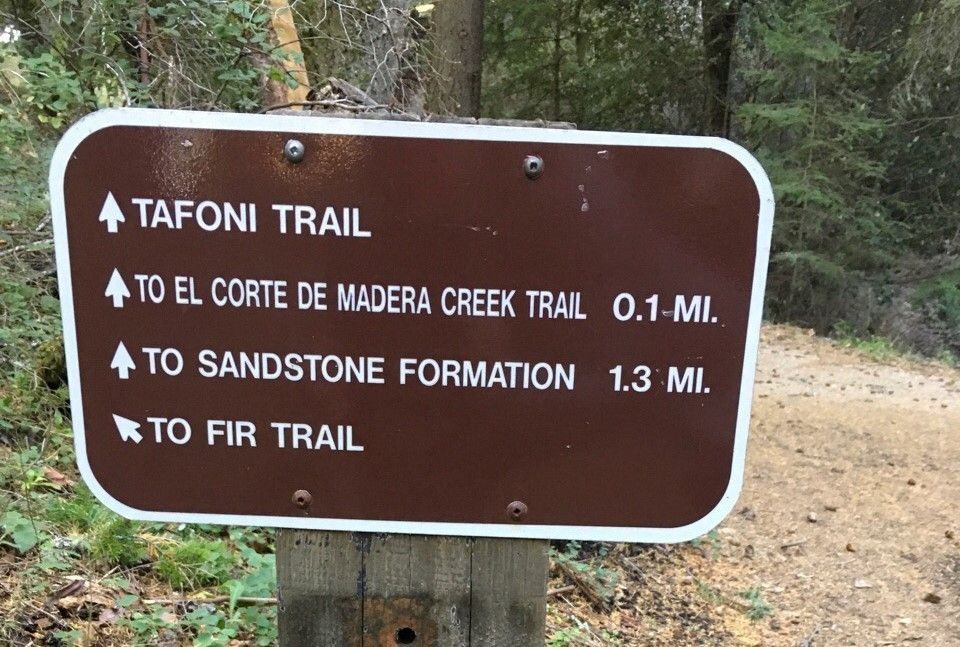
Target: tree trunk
(580, 35)
(557, 58)
(457, 57)
(143, 37)
(288, 42)
(719, 33)
(389, 39)
(292, 86)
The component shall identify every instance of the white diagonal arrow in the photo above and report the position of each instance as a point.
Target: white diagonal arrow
(116, 289)
(127, 429)
(110, 213)
(122, 362)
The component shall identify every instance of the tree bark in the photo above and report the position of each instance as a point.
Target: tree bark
(719, 34)
(388, 39)
(580, 35)
(288, 41)
(143, 37)
(457, 57)
(557, 58)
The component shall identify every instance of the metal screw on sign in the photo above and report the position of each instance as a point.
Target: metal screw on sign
(533, 166)
(293, 150)
(302, 499)
(517, 510)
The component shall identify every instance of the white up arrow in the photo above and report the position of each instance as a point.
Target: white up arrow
(127, 429)
(122, 362)
(116, 289)
(111, 214)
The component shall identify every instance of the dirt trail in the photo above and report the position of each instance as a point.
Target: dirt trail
(850, 514)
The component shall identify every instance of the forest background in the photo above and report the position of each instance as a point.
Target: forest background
(851, 105)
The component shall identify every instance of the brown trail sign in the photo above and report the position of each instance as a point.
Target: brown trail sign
(402, 327)
(275, 320)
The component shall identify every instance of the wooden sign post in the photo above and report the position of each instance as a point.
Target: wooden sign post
(348, 589)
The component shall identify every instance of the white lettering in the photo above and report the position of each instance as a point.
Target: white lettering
(540, 376)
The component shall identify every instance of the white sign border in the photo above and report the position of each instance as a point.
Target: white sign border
(378, 128)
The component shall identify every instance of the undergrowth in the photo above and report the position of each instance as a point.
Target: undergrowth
(880, 348)
(71, 571)
(134, 583)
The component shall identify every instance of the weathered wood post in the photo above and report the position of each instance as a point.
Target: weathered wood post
(351, 589)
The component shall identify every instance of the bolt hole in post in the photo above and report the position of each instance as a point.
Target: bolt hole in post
(406, 636)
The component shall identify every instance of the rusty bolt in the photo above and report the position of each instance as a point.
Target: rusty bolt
(293, 150)
(517, 510)
(302, 499)
(533, 166)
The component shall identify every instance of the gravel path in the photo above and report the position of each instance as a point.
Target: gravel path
(849, 522)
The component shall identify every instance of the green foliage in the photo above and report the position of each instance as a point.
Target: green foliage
(852, 108)
(70, 531)
(18, 531)
(78, 513)
(818, 133)
(27, 312)
(29, 309)
(115, 542)
(258, 576)
(709, 543)
(755, 607)
(236, 569)
(710, 593)
(54, 92)
(74, 57)
(943, 294)
(194, 562)
(615, 65)
(215, 628)
(602, 579)
(563, 637)
(147, 625)
(758, 607)
(874, 346)
(923, 143)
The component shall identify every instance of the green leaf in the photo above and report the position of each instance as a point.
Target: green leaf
(49, 303)
(21, 531)
(235, 588)
(126, 600)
